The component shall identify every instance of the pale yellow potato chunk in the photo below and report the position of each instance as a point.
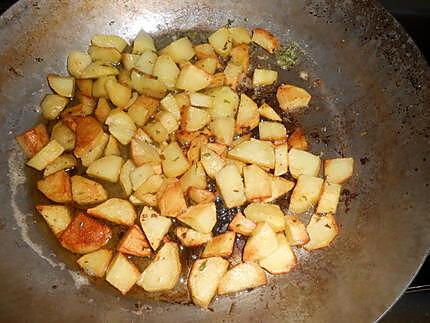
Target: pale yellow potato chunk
(122, 273)
(58, 217)
(305, 194)
(243, 276)
(261, 243)
(115, 210)
(220, 246)
(230, 185)
(95, 263)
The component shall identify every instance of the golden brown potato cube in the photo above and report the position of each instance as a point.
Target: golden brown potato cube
(147, 85)
(163, 272)
(240, 56)
(171, 201)
(140, 174)
(192, 78)
(168, 121)
(118, 94)
(52, 105)
(266, 111)
(281, 159)
(33, 140)
(266, 212)
(174, 163)
(104, 54)
(329, 199)
(208, 64)
(154, 226)
(144, 153)
(295, 231)
(156, 131)
(64, 162)
(106, 168)
(85, 234)
(200, 217)
(219, 149)
(211, 162)
(86, 191)
(181, 50)
(217, 80)
(95, 263)
(241, 277)
(150, 186)
(257, 183)
(63, 135)
(85, 87)
(239, 35)
(204, 279)
(195, 177)
(170, 104)
(142, 109)
(280, 186)
(338, 170)
(223, 129)
(262, 77)
(225, 102)
(261, 243)
(265, 39)
(253, 151)
(115, 210)
(305, 194)
(96, 152)
(302, 162)
(191, 238)
(124, 177)
(195, 119)
(298, 140)
(221, 41)
(193, 153)
(102, 111)
(87, 131)
(233, 74)
(199, 196)
(109, 41)
(291, 97)
(240, 224)
(56, 187)
(146, 62)
(247, 115)
(62, 85)
(121, 126)
(143, 41)
(204, 50)
(322, 230)
(200, 100)
(96, 70)
(112, 147)
(77, 62)
(220, 246)
(269, 130)
(282, 260)
(56, 216)
(46, 155)
(134, 243)
(230, 184)
(122, 273)
(166, 71)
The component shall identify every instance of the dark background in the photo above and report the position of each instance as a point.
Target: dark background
(414, 16)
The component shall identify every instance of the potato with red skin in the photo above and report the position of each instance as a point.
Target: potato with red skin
(33, 140)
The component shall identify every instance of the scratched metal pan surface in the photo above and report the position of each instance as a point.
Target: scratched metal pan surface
(370, 88)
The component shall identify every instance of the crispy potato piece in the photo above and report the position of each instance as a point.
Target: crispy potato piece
(175, 163)
(266, 111)
(199, 196)
(96, 151)
(257, 183)
(121, 126)
(305, 194)
(233, 74)
(56, 187)
(163, 272)
(147, 85)
(170, 198)
(329, 199)
(97, 70)
(63, 135)
(204, 278)
(225, 103)
(106, 168)
(282, 260)
(295, 231)
(266, 212)
(280, 186)
(230, 185)
(166, 71)
(144, 153)
(291, 97)
(62, 85)
(204, 50)
(192, 78)
(33, 140)
(240, 224)
(241, 277)
(192, 238)
(247, 115)
(122, 273)
(85, 87)
(134, 243)
(140, 174)
(52, 105)
(212, 163)
(220, 246)
(240, 56)
(195, 177)
(195, 119)
(221, 41)
(56, 216)
(86, 191)
(102, 111)
(217, 80)
(85, 234)
(303, 163)
(146, 61)
(45, 155)
(118, 94)
(200, 217)
(262, 77)
(261, 243)
(338, 170)
(104, 55)
(112, 147)
(193, 153)
(223, 129)
(181, 50)
(141, 110)
(281, 159)
(115, 210)
(269, 130)
(239, 35)
(124, 177)
(109, 41)
(200, 100)
(219, 149)
(265, 39)
(298, 140)
(142, 42)
(208, 64)
(253, 151)
(154, 226)
(240, 139)
(322, 230)
(87, 131)
(95, 263)
(77, 62)
(150, 186)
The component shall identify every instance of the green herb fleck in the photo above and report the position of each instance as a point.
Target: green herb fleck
(157, 131)
(226, 101)
(203, 266)
(287, 57)
(229, 22)
(206, 155)
(175, 159)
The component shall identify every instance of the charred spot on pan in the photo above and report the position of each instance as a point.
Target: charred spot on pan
(346, 196)
(364, 160)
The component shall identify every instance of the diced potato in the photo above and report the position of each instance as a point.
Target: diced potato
(266, 111)
(230, 186)
(170, 198)
(52, 105)
(87, 131)
(282, 260)
(79, 110)
(121, 126)
(112, 147)
(200, 100)
(33, 140)
(322, 230)
(85, 87)
(95, 263)
(57, 217)
(142, 42)
(63, 135)
(118, 94)
(192, 78)
(239, 35)
(147, 199)
(124, 78)
(146, 62)
(77, 62)
(168, 121)
(65, 161)
(240, 165)
(295, 231)
(141, 110)
(154, 226)
(220, 149)
(200, 217)
(329, 199)
(195, 177)
(166, 71)
(291, 97)
(85, 234)
(124, 176)
(86, 191)
(143, 152)
(62, 85)
(258, 152)
(198, 195)
(240, 224)
(156, 131)
(129, 60)
(204, 50)
(281, 159)
(240, 56)
(258, 185)
(192, 238)
(115, 210)
(44, 156)
(56, 187)
(122, 273)
(163, 272)
(169, 104)
(104, 54)
(298, 140)
(303, 163)
(106, 168)
(150, 186)
(233, 74)
(225, 103)
(220, 246)
(195, 119)
(134, 243)
(280, 186)
(338, 170)
(305, 194)
(208, 64)
(147, 85)
(247, 115)
(266, 212)
(269, 130)
(97, 70)
(223, 129)
(174, 163)
(136, 201)
(217, 80)
(204, 278)
(265, 39)
(263, 77)
(96, 149)
(110, 41)
(241, 277)
(181, 50)
(221, 41)
(99, 89)
(262, 243)
(140, 174)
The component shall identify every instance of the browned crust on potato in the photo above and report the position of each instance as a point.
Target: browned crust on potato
(298, 139)
(33, 140)
(87, 130)
(134, 243)
(56, 187)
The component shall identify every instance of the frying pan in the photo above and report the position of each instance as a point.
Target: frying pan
(370, 88)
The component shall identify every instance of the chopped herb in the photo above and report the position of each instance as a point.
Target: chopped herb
(206, 155)
(287, 57)
(226, 101)
(157, 131)
(203, 266)
(177, 158)
(229, 22)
